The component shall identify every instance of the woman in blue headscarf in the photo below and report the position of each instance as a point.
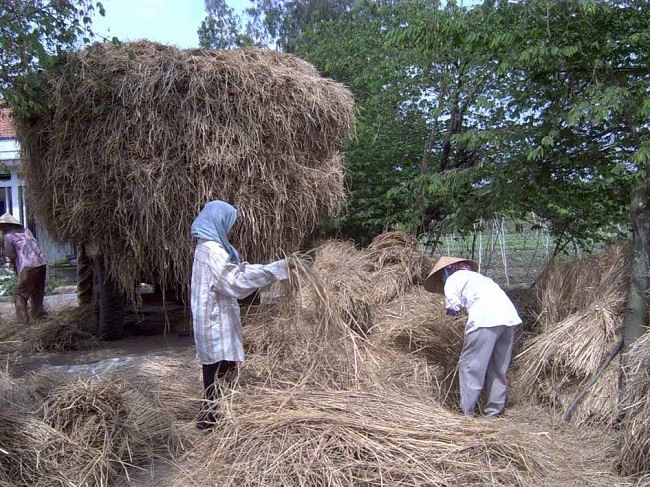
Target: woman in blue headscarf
(218, 280)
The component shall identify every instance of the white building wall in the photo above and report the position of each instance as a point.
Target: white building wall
(9, 149)
(12, 190)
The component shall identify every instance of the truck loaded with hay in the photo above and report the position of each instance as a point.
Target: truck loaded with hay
(136, 138)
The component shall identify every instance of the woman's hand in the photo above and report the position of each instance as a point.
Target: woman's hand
(292, 262)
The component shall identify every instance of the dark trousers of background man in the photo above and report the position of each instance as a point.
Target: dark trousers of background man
(30, 287)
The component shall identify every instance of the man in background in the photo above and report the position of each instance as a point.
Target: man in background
(30, 266)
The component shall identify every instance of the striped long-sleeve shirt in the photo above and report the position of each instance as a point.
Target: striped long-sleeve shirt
(216, 286)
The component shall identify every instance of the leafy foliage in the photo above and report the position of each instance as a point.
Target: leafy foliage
(32, 34)
(222, 27)
(550, 123)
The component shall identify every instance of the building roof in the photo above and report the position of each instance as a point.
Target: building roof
(6, 124)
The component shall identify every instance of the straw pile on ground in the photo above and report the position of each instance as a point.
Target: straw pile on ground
(138, 138)
(398, 264)
(12, 335)
(75, 431)
(318, 402)
(582, 305)
(325, 338)
(346, 275)
(417, 323)
(310, 342)
(62, 330)
(635, 426)
(337, 438)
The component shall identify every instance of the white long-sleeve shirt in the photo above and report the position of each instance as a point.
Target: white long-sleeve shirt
(216, 286)
(486, 303)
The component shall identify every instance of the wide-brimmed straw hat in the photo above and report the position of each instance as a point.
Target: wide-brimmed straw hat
(8, 219)
(434, 283)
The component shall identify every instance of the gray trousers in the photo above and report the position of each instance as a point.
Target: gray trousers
(484, 361)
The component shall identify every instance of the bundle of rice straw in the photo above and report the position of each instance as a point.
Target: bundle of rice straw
(341, 438)
(309, 342)
(115, 421)
(37, 455)
(169, 380)
(398, 263)
(31, 451)
(346, 277)
(173, 382)
(14, 396)
(12, 334)
(582, 305)
(634, 455)
(319, 338)
(62, 330)
(136, 138)
(416, 322)
(359, 280)
(71, 431)
(311, 346)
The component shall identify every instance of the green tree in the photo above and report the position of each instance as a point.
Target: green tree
(566, 130)
(222, 27)
(287, 25)
(457, 92)
(469, 113)
(32, 34)
(351, 48)
(588, 82)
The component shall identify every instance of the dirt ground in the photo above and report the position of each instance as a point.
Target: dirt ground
(133, 345)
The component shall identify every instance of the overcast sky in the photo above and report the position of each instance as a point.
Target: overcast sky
(172, 22)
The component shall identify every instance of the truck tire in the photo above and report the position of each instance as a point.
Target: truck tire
(109, 310)
(85, 284)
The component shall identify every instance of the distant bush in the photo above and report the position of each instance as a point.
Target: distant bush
(8, 281)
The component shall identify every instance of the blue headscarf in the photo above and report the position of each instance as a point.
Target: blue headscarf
(214, 222)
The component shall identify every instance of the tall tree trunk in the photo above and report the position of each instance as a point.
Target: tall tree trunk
(635, 314)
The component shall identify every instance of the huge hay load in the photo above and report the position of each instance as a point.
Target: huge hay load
(138, 137)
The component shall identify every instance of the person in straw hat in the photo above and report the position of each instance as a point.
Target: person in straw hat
(27, 260)
(489, 332)
(219, 278)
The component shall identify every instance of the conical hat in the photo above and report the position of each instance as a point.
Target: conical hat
(8, 219)
(434, 283)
